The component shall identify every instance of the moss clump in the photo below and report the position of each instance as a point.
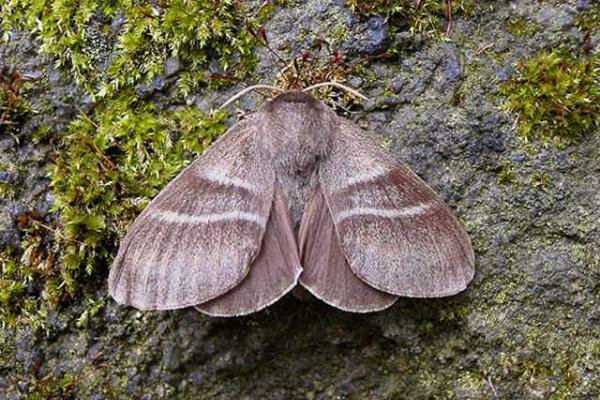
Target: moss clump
(12, 284)
(507, 175)
(317, 65)
(146, 34)
(556, 95)
(426, 16)
(521, 27)
(588, 20)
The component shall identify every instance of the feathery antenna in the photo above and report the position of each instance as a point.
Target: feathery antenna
(338, 85)
(250, 89)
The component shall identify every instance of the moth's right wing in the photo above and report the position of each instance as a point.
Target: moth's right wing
(199, 237)
(396, 233)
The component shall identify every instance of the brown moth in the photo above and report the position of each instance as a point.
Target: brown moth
(292, 195)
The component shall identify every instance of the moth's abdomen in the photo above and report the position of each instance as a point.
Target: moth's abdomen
(297, 185)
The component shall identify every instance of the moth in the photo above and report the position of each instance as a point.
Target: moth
(292, 196)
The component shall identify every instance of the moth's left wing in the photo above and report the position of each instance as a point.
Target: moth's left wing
(397, 234)
(199, 237)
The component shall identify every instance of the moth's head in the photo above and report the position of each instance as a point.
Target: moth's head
(294, 111)
(294, 98)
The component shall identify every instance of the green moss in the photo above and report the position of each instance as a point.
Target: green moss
(20, 284)
(12, 284)
(556, 96)
(152, 32)
(7, 190)
(52, 387)
(521, 27)
(540, 181)
(429, 16)
(588, 20)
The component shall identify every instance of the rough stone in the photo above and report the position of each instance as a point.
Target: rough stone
(376, 37)
(172, 66)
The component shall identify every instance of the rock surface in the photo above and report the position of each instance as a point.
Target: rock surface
(526, 328)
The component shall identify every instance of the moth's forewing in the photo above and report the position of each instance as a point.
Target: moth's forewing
(197, 238)
(397, 234)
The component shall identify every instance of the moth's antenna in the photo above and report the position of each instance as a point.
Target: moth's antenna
(249, 89)
(338, 85)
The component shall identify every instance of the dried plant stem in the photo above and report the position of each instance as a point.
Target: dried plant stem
(449, 26)
(54, 231)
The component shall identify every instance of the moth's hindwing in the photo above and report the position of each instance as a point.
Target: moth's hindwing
(273, 273)
(327, 274)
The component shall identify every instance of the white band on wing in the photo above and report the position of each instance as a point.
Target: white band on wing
(181, 218)
(221, 178)
(383, 212)
(366, 177)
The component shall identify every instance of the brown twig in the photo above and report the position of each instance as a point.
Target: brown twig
(225, 77)
(586, 46)
(146, 13)
(366, 59)
(489, 380)
(111, 165)
(449, 26)
(258, 10)
(84, 115)
(261, 36)
(484, 48)
(54, 231)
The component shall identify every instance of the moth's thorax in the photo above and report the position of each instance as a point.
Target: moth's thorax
(297, 134)
(297, 129)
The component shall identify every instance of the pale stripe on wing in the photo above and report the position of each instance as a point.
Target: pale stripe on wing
(182, 218)
(220, 177)
(383, 212)
(375, 173)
